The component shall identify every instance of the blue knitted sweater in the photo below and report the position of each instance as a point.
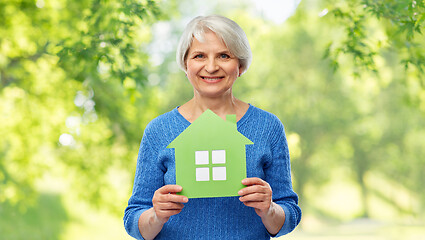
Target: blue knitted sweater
(214, 218)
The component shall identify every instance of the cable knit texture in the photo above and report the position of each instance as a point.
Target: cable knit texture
(214, 218)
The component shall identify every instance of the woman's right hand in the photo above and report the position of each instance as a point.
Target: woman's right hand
(167, 203)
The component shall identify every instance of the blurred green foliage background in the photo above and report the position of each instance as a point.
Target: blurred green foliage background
(81, 79)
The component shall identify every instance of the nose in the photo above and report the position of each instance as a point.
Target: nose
(211, 66)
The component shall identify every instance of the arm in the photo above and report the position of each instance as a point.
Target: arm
(279, 209)
(149, 178)
(278, 175)
(258, 195)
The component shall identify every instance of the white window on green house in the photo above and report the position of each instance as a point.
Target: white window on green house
(203, 165)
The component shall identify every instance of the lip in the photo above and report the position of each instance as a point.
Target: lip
(212, 79)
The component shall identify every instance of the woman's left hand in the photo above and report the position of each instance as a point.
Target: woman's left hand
(256, 194)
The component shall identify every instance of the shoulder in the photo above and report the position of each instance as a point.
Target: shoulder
(162, 121)
(267, 119)
(162, 129)
(262, 125)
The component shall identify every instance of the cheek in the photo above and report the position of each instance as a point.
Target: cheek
(233, 70)
(191, 68)
(191, 72)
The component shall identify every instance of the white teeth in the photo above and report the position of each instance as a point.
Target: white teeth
(211, 79)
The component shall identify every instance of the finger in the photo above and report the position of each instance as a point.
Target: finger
(170, 189)
(170, 206)
(257, 205)
(167, 194)
(254, 204)
(173, 198)
(164, 215)
(254, 189)
(255, 197)
(167, 213)
(166, 210)
(169, 198)
(253, 181)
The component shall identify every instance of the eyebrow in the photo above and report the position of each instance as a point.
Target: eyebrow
(225, 51)
(195, 52)
(219, 52)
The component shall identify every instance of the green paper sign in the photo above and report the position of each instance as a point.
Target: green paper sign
(210, 157)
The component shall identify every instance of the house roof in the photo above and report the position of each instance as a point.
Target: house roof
(209, 130)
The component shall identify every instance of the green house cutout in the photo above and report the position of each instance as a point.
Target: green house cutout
(210, 157)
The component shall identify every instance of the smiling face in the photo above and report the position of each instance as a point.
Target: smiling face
(211, 67)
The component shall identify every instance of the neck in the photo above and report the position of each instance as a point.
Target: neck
(222, 106)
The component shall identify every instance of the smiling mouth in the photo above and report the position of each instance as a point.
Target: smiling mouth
(212, 79)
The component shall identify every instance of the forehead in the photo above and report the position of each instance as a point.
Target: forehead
(209, 41)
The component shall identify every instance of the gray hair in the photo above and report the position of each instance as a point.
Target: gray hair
(229, 31)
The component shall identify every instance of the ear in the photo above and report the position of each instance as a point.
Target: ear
(241, 69)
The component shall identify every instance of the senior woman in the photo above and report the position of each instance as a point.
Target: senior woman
(213, 52)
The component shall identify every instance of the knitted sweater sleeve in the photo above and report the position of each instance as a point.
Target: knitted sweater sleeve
(148, 178)
(278, 175)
